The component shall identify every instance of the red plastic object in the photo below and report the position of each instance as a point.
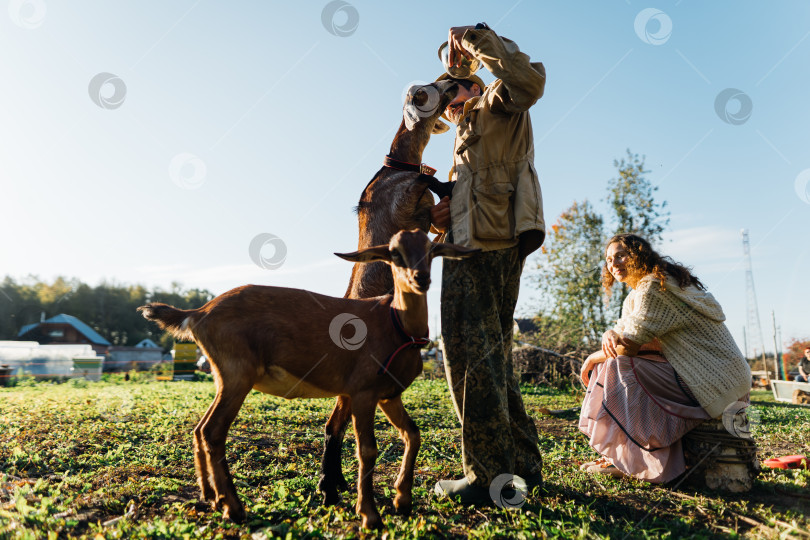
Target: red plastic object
(787, 462)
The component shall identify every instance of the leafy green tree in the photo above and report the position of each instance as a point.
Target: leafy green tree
(631, 197)
(19, 305)
(569, 276)
(572, 258)
(635, 211)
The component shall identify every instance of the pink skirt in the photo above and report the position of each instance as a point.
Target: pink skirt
(635, 412)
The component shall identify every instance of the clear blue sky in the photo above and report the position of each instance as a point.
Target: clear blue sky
(276, 124)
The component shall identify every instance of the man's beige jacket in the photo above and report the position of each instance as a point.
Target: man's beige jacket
(496, 200)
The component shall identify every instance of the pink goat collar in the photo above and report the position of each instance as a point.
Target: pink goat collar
(410, 341)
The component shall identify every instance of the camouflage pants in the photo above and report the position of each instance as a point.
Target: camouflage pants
(478, 303)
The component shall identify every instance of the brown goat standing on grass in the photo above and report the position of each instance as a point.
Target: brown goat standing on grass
(395, 199)
(282, 341)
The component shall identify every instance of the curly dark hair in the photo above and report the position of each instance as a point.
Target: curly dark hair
(645, 260)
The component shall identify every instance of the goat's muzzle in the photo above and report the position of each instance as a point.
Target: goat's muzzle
(422, 280)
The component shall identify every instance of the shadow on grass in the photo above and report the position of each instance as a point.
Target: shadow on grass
(624, 514)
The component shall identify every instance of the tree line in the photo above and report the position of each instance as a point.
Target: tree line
(108, 308)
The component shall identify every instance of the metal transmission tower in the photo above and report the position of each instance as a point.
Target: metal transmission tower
(754, 334)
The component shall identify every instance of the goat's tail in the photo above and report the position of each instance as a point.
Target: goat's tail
(175, 321)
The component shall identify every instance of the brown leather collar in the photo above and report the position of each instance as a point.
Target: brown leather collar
(388, 161)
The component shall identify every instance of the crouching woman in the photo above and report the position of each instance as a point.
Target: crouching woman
(669, 364)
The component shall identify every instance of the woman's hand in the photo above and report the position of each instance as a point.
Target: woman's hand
(611, 340)
(596, 358)
(614, 345)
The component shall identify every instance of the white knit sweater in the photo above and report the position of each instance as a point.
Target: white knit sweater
(689, 324)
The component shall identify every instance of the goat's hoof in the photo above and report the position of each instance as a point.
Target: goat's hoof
(372, 521)
(331, 489)
(341, 483)
(234, 513)
(402, 506)
(330, 499)
(206, 494)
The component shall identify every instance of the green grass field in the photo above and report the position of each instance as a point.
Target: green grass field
(113, 460)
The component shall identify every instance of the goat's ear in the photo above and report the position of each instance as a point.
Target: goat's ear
(452, 251)
(376, 253)
(440, 127)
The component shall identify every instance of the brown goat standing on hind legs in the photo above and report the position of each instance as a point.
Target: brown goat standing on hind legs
(396, 198)
(282, 342)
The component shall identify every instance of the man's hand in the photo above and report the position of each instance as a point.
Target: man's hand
(455, 48)
(440, 215)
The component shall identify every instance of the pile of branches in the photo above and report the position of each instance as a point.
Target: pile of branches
(537, 365)
(550, 352)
